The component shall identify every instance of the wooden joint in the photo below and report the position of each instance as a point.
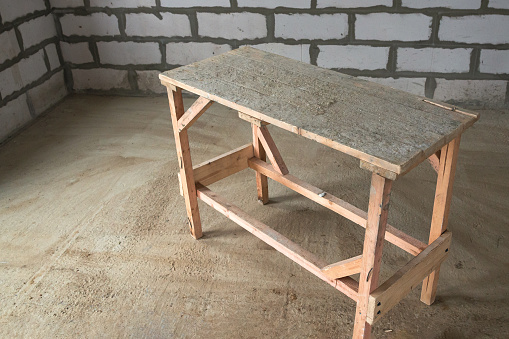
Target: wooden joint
(193, 113)
(223, 166)
(252, 120)
(271, 149)
(434, 161)
(407, 278)
(378, 170)
(169, 86)
(343, 268)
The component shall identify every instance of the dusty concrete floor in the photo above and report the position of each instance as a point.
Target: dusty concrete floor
(93, 241)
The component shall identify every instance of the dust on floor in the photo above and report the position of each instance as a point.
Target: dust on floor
(94, 242)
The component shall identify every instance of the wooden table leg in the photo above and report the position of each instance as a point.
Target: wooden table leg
(262, 186)
(372, 253)
(439, 220)
(185, 164)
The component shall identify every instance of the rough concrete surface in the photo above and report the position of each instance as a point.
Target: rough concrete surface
(93, 239)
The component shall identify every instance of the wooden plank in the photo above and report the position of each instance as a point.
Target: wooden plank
(407, 278)
(282, 244)
(181, 189)
(441, 206)
(434, 161)
(343, 268)
(453, 108)
(378, 211)
(252, 120)
(185, 163)
(262, 185)
(378, 170)
(339, 111)
(271, 150)
(223, 165)
(193, 113)
(358, 216)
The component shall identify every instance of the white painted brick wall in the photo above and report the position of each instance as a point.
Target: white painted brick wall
(100, 79)
(456, 4)
(232, 25)
(356, 57)
(274, 4)
(23, 73)
(32, 68)
(491, 92)
(10, 46)
(389, 27)
(13, 115)
(94, 24)
(48, 93)
(149, 25)
(352, 3)
(125, 53)
(296, 52)
(183, 53)
(195, 3)
(51, 52)
(37, 30)
(78, 53)
(306, 26)
(441, 60)
(122, 3)
(503, 4)
(10, 81)
(410, 85)
(484, 29)
(148, 81)
(12, 9)
(66, 3)
(496, 62)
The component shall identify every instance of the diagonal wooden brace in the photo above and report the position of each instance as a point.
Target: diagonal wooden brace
(271, 149)
(193, 113)
(434, 161)
(343, 268)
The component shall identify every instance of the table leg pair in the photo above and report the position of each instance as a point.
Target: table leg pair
(373, 300)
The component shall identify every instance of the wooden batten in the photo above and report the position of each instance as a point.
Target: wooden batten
(193, 113)
(252, 120)
(434, 161)
(181, 189)
(453, 108)
(407, 278)
(271, 149)
(358, 216)
(223, 166)
(343, 268)
(279, 242)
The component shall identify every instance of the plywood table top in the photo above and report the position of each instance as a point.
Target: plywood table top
(387, 128)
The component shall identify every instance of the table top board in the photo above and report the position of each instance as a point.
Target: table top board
(379, 125)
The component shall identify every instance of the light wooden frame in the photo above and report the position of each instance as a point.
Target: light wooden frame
(373, 300)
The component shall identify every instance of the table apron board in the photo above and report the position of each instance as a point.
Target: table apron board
(373, 300)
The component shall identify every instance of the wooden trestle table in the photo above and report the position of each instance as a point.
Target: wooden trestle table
(388, 130)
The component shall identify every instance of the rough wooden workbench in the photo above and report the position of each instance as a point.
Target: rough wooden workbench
(390, 131)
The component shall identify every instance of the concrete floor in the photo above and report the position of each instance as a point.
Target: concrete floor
(93, 240)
